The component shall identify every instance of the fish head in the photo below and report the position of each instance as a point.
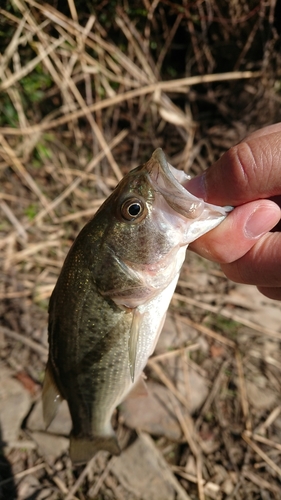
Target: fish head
(190, 217)
(151, 209)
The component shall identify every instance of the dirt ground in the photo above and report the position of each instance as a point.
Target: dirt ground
(87, 91)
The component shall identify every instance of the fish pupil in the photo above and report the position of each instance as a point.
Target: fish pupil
(134, 209)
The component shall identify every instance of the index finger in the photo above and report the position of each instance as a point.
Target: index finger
(249, 171)
(270, 129)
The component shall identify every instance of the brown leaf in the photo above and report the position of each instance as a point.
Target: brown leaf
(27, 382)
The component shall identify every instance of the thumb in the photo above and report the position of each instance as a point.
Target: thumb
(239, 232)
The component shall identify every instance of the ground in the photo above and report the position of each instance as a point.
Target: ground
(88, 91)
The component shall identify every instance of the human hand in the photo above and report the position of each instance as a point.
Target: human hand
(248, 176)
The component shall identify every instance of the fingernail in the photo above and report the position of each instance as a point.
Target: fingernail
(196, 186)
(262, 220)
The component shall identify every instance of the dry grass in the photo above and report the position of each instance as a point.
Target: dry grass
(87, 93)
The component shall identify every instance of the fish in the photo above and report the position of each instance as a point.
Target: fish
(109, 303)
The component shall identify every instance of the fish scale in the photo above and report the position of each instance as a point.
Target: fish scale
(109, 304)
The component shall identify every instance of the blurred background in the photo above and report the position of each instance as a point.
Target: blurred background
(87, 91)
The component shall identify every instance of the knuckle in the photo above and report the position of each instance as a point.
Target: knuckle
(235, 272)
(244, 165)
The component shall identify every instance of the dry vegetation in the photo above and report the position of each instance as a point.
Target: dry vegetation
(88, 91)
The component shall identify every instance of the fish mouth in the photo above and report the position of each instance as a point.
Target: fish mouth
(169, 182)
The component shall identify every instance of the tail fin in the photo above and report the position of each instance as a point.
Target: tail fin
(83, 449)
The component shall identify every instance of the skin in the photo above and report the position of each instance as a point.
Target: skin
(247, 244)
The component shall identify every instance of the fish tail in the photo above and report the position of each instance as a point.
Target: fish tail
(82, 449)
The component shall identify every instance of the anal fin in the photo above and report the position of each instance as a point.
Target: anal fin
(51, 397)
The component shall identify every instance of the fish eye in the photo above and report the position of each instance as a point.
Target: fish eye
(132, 209)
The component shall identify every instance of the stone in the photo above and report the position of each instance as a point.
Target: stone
(50, 446)
(197, 390)
(261, 398)
(173, 338)
(29, 487)
(152, 413)
(190, 383)
(60, 425)
(14, 405)
(143, 472)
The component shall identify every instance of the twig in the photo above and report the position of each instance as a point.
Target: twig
(171, 33)
(270, 419)
(262, 454)
(25, 340)
(213, 392)
(163, 377)
(206, 331)
(20, 169)
(228, 314)
(266, 441)
(243, 391)
(23, 473)
(91, 165)
(175, 352)
(14, 220)
(260, 482)
(97, 486)
(29, 66)
(189, 433)
(80, 479)
(170, 85)
(24, 444)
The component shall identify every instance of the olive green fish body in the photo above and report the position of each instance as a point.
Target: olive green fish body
(110, 300)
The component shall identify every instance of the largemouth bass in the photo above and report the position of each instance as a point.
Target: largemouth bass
(109, 304)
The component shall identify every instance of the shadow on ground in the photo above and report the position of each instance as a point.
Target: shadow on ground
(8, 490)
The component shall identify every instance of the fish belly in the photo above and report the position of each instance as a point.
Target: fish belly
(153, 315)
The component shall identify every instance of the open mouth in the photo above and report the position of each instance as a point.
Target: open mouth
(169, 182)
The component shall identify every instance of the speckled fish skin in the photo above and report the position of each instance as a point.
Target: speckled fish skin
(110, 300)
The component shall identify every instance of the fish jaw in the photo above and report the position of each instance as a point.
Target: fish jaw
(193, 216)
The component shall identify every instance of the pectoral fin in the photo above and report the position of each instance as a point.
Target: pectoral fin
(133, 342)
(51, 397)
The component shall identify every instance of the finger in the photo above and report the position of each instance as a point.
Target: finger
(248, 171)
(260, 266)
(270, 129)
(270, 292)
(238, 233)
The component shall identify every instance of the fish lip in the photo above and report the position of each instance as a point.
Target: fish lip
(163, 180)
(159, 156)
